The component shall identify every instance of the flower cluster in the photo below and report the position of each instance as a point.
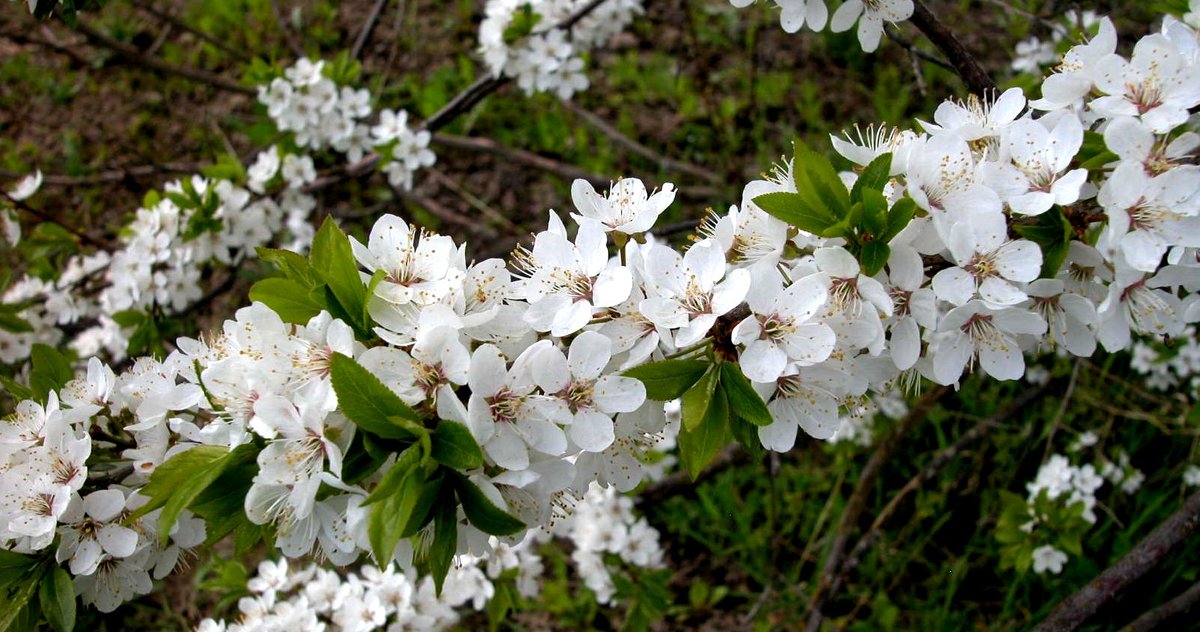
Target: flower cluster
(397, 398)
(283, 599)
(1166, 368)
(523, 40)
(1034, 53)
(868, 14)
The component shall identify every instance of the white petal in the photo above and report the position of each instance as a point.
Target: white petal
(592, 431)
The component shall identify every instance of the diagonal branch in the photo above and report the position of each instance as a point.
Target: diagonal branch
(1074, 610)
(1151, 619)
(368, 27)
(135, 56)
(857, 503)
(956, 53)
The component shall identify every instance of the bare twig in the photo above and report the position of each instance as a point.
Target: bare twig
(476, 203)
(113, 175)
(857, 502)
(149, 7)
(963, 61)
(133, 55)
(538, 161)
(1074, 610)
(681, 482)
(894, 34)
(289, 36)
(935, 464)
(368, 27)
(632, 145)
(1151, 619)
(41, 215)
(1062, 409)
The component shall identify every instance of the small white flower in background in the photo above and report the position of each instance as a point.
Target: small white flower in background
(1048, 558)
(1191, 476)
(10, 223)
(298, 170)
(26, 187)
(1084, 440)
(265, 166)
(304, 72)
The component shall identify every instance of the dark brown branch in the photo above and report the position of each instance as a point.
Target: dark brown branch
(1151, 619)
(956, 53)
(632, 145)
(1153, 549)
(133, 55)
(857, 502)
(368, 27)
(894, 34)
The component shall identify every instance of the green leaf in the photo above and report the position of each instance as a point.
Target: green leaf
(522, 23)
(874, 213)
(873, 256)
(454, 446)
(14, 567)
(57, 594)
(222, 504)
(1052, 232)
(898, 217)
(422, 511)
(792, 208)
(16, 390)
(333, 259)
(1094, 152)
(742, 398)
(11, 322)
(445, 543)
(175, 484)
(366, 401)
(486, 516)
(873, 177)
(394, 500)
(14, 600)
(814, 174)
(745, 433)
(291, 265)
(698, 446)
(226, 167)
(360, 460)
(50, 371)
(696, 400)
(666, 380)
(290, 299)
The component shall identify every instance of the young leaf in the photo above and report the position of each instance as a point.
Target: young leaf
(455, 447)
(50, 371)
(14, 567)
(874, 256)
(874, 212)
(14, 599)
(743, 399)
(792, 208)
(288, 298)
(57, 595)
(898, 217)
(445, 543)
(422, 511)
(698, 446)
(401, 491)
(697, 399)
(486, 516)
(333, 259)
(874, 177)
(666, 380)
(814, 172)
(291, 265)
(366, 401)
(360, 461)
(175, 484)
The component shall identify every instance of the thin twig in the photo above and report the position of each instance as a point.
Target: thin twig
(41, 215)
(681, 482)
(289, 37)
(149, 7)
(632, 145)
(1062, 410)
(133, 55)
(857, 502)
(956, 53)
(368, 27)
(538, 161)
(113, 175)
(460, 103)
(476, 203)
(1071, 612)
(894, 34)
(979, 431)
(1151, 619)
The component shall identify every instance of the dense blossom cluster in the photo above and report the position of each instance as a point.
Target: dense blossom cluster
(523, 40)
(530, 355)
(201, 223)
(284, 599)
